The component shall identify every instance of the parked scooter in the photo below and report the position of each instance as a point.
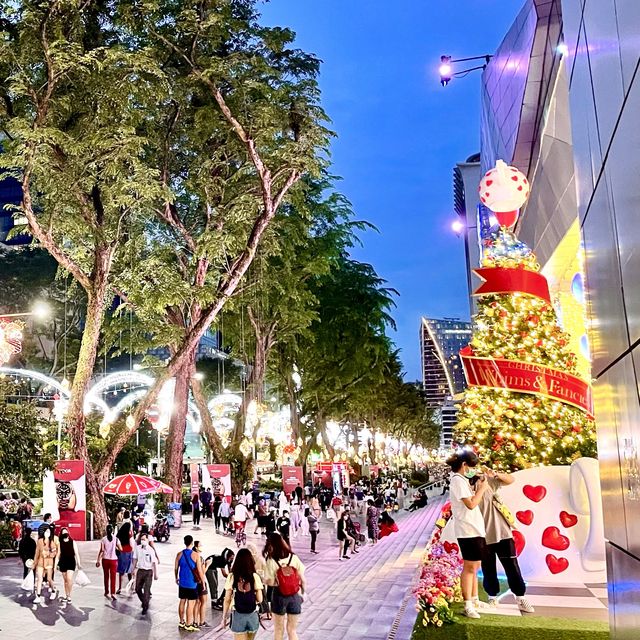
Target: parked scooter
(161, 531)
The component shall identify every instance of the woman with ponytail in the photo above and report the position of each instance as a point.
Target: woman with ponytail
(107, 555)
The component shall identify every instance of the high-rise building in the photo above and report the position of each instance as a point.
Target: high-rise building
(440, 344)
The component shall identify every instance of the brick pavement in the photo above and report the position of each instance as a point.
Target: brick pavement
(357, 598)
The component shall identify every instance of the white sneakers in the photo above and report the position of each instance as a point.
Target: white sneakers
(470, 611)
(37, 600)
(524, 605)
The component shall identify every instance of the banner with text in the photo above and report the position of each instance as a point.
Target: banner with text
(195, 478)
(291, 477)
(64, 496)
(526, 377)
(219, 477)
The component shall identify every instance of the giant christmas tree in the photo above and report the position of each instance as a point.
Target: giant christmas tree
(525, 404)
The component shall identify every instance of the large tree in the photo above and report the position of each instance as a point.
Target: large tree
(345, 351)
(242, 126)
(155, 142)
(72, 103)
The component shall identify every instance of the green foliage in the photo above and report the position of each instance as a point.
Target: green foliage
(23, 455)
(29, 276)
(6, 540)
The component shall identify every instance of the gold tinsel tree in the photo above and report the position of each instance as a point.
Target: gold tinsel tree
(515, 430)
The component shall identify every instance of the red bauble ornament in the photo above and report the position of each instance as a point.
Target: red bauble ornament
(576, 428)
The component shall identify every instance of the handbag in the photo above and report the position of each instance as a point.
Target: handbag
(28, 582)
(81, 579)
(504, 511)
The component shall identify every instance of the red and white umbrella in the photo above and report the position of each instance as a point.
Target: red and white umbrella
(131, 484)
(163, 487)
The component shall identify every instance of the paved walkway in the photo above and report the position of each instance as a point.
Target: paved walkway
(358, 599)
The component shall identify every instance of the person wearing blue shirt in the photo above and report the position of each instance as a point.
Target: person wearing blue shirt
(188, 574)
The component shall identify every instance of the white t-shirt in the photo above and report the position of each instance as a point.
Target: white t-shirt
(467, 523)
(240, 513)
(145, 557)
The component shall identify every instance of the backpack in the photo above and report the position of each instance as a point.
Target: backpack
(288, 579)
(244, 598)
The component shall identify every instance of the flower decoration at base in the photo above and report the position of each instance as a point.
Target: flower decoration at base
(439, 584)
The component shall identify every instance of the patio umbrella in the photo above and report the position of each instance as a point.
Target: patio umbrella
(131, 484)
(163, 487)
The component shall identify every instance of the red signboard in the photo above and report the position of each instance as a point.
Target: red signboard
(291, 478)
(66, 497)
(220, 479)
(527, 377)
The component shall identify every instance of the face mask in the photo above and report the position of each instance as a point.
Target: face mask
(470, 473)
(65, 536)
(144, 543)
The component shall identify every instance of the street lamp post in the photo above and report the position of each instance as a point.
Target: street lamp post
(447, 72)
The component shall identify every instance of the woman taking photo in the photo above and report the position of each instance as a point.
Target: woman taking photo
(68, 561)
(500, 544)
(286, 607)
(468, 524)
(108, 557)
(243, 594)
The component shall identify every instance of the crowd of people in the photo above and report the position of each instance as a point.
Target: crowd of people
(243, 583)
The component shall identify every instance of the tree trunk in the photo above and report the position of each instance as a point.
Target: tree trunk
(254, 391)
(208, 430)
(174, 446)
(95, 482)
(75, 418)
(322, 424)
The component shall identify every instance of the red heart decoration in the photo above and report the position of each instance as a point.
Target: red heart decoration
(556, 565)
(568, 519)
(519, 541)
(534, 493)
(489, 183)
(448, 546)
(553, 539)
(526, 517)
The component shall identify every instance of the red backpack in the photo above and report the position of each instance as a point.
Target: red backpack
(288, 578)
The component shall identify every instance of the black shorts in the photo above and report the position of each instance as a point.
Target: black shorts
(187, 594)
(472, 549)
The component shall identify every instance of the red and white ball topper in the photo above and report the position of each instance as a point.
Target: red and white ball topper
(504, 190)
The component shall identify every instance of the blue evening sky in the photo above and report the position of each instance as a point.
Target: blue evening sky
(400, 133)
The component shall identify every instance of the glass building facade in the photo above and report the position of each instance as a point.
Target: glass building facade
(602, 41)
(561, 101)
(440, 344)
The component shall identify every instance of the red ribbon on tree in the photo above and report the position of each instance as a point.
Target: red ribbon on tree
(527, 377)
(503, 280)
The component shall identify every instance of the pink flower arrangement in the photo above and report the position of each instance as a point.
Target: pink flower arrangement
(439, 584)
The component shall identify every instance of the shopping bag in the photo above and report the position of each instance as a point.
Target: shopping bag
(82, 579)
(27, 583)
(130, 589)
